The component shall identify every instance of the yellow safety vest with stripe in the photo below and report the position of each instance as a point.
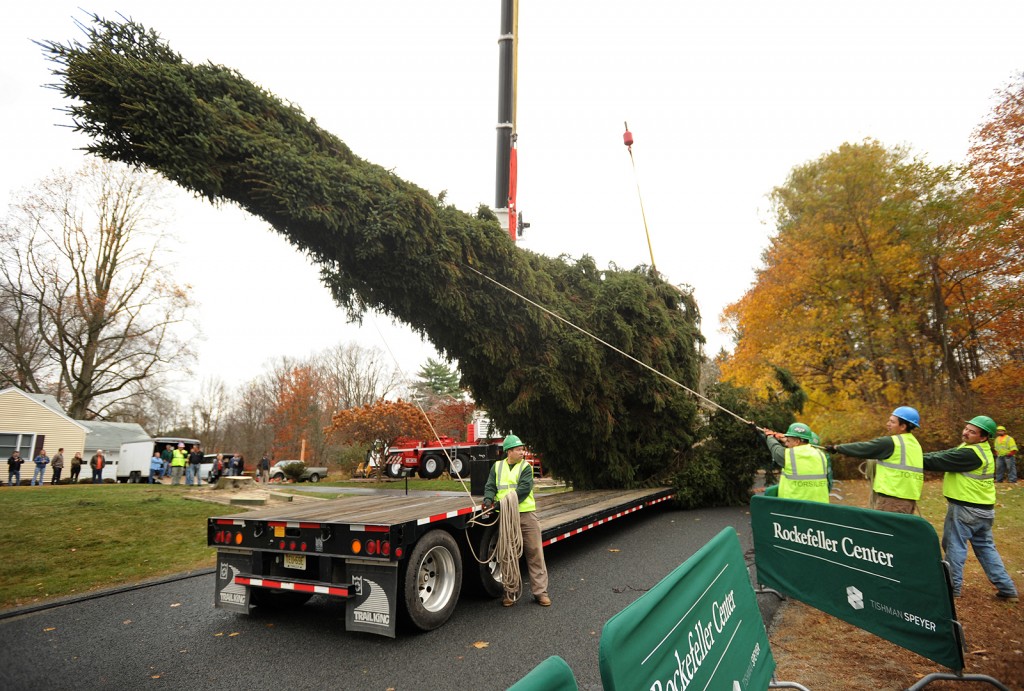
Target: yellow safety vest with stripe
(1004, 445)
(178, 458)
(977, 486)
(507, 479)
(804, 474)
(902, 474)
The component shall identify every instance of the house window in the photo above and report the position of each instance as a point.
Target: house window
(23, 442)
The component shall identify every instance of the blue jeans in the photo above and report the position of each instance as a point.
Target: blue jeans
(97, 476)
(154, 475)
(189, 473)
(965, 524)
(37, 475)
(14, 477)
(1006, 466)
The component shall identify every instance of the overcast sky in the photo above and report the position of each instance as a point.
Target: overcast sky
(723, 99)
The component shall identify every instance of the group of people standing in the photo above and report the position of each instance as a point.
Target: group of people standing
(56, 464)
(970, 473)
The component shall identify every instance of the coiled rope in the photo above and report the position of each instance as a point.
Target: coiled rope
(510, 545)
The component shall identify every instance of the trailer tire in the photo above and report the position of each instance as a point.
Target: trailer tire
(278, 599)
(432, 580)
(490, 572)
(431, 466)
(459, 465)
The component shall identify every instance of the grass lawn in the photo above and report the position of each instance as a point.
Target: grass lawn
(71, 539)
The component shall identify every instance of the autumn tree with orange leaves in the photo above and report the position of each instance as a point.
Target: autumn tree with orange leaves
(997, 169)
(883, 286)
(376, 426)
(297, 415)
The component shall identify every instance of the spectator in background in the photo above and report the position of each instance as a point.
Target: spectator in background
(76, 467)
(58, 465)
(264, 469)
(96, 463)
(14, 469)
(41, 461)
(156, 468)
(179, 459)
(167, 455)
(1006, 456)
(195, 460)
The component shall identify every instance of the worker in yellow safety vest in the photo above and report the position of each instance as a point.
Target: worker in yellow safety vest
(898, 468)
(515, 474)
(804, 467)
(1006, 456)
(971, 497)
(179, 459)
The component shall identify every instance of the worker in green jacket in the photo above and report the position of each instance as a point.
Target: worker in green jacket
(898, 471)
(515, 474)
(804, 467)
(971, 496)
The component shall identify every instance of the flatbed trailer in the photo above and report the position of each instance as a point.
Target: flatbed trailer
(387, 555)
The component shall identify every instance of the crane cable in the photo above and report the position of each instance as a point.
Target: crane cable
(627, 139)
(608, 345)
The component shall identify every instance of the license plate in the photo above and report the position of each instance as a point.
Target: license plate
(295, 561)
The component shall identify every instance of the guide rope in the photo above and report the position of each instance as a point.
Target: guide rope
(609, 345)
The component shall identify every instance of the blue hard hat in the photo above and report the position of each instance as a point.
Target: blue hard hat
(908, 414)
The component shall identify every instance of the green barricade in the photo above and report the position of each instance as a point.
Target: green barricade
(698, 628)
(881, 572)
(554, 674)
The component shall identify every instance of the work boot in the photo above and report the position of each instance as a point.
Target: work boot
(543, 600)
(1011, 597)
(507, 601)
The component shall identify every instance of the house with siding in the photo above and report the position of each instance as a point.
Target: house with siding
(32, 422)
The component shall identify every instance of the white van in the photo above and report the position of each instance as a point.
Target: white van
(133, 462)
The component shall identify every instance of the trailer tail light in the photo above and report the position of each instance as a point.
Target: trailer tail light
(385, 548)
(357, 547)
(238, 538)
(371, 548)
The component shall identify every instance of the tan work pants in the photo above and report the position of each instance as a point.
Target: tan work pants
(533, 550)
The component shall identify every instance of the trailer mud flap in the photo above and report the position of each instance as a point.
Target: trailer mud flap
(231, 595)
(374, 593)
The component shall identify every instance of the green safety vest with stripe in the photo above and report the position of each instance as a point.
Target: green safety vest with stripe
(507, 479)
(902, 474)
(1004, 445)
(804, 474)
(977, 486)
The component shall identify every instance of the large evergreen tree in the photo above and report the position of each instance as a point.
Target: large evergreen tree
(600, 419)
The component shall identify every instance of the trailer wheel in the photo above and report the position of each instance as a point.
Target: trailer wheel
(431, 466)
(490, 571)
(278, 599)
(459, 465)
(432, 580)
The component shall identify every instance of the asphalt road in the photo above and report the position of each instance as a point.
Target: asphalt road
(169, 635)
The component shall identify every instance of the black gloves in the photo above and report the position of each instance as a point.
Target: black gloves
(831, 448)
(488, 503)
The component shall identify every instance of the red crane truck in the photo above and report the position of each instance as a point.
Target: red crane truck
(429, 459)
(387, 556)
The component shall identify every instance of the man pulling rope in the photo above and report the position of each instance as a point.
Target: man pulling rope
(514, 475)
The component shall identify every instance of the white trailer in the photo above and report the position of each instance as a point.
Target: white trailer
(133, 461)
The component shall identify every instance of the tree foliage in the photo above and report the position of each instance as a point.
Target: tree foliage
(881, 288)
(376, 426)
(436, 379)
(90, 309)
(599, 419)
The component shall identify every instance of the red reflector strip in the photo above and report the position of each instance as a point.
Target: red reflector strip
(608, 519)
(285, 585)
(362, 528)
(292, 524)
(228, 521)
(444, 516)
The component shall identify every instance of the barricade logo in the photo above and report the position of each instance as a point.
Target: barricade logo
(854, 597)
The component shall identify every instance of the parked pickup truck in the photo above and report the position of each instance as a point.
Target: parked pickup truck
(312, 473)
